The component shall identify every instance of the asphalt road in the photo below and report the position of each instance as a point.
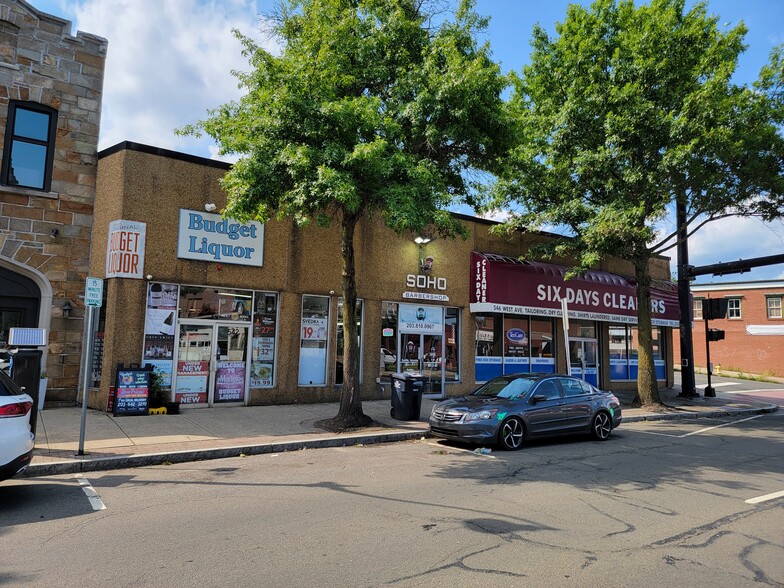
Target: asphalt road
(660, 504)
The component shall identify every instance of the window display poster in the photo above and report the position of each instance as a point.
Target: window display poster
(159, 321)
(230, 381)
(192, 379)
(162, 296)
(263, 355)
(163, 368)
(413, 318)
(158, 346)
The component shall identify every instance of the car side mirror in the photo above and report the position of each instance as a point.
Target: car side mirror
(538, 398)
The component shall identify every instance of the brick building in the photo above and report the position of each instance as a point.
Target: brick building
(753, 330)
(50, 107)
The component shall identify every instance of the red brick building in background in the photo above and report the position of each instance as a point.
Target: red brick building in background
(754, 328)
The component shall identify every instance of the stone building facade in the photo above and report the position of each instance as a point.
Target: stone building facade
(50, 107)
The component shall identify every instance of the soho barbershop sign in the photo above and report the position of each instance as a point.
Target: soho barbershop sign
(210, 237)
(424, 282)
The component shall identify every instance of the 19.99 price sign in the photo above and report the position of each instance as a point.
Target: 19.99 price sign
(314, 329)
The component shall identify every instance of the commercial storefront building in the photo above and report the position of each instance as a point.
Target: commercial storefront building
(753, 328)
(233, 313)
(51, 85)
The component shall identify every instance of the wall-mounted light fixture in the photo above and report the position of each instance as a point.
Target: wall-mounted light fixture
(54, 232)
(425, 262)
(67, 308)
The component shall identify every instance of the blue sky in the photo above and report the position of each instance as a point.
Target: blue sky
(169, 62)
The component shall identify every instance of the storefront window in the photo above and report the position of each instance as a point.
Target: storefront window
(314, 334)
(619, 352)
(452, 344)
(226, 304)
(159, 329)
(339, 341)
(584, 329)
(388, 362)
(542, 346)
(263, 343)
(624, 354)
(515, 343)
(489, 346)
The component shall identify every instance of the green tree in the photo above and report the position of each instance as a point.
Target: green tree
(626, 111)
(370, 108)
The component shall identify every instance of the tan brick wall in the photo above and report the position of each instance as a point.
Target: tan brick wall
(137, 185)
(42, 62)
(740, 351)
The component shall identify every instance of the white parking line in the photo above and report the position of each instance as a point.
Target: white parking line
(765, 498)
(719, 385)
(92, 495)
(723, 425)
(701, 430)
(755, 391)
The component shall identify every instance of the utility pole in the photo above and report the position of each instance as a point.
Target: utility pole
(688, 387)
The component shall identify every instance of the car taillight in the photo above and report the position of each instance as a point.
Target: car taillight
(16, 409)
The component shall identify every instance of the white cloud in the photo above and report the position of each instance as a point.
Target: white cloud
(167, 64)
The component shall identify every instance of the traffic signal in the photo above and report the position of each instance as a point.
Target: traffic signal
(714, 308)
(715, 335)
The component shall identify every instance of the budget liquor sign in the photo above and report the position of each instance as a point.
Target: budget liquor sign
(125, 249)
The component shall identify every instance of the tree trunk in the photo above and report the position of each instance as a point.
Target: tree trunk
(350, 413)
(647, 389)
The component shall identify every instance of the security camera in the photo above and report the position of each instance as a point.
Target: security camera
(331, 292)
(209, 207)
(149, 276)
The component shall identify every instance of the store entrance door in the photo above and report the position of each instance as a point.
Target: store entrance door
(584, 359)
(424, 354)
(211, 364)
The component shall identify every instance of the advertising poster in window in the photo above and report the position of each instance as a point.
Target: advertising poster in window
(263, 349)
(192, 379)
(125, 249)
(413, 318)
(230, 381)
(159, 329)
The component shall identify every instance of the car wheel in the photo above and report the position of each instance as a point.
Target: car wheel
(602, 426)
(392, 412)
(511, 434)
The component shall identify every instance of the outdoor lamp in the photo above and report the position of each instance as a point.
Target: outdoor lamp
(422, 240)
(67, 308)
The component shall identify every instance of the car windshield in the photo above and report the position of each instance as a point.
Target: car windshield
(505, 388)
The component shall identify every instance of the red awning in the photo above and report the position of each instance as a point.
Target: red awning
(505, 284)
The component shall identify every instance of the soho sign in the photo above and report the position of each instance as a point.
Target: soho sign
(424, 282)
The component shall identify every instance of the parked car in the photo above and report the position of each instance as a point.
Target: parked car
(511, 409)
(16, 439)
(387, 357)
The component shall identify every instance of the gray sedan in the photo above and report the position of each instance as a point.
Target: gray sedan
(510, 409)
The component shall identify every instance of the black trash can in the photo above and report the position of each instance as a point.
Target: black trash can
(407, 392)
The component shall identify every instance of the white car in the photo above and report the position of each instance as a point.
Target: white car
(16, 439)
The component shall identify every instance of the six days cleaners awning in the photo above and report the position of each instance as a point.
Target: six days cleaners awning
(505, 284)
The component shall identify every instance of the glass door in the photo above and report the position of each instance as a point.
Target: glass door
(231, 365)
(423, 354)
(584, 360)
(194, 364)
(212, 364)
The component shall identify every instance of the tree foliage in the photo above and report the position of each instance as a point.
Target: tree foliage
(373, 107)
(626, 110)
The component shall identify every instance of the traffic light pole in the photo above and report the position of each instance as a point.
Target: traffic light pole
(709, 391)
(688, 387)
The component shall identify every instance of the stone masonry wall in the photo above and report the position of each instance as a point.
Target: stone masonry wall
(49, 232)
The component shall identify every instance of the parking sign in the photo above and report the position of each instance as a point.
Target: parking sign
(93, 292)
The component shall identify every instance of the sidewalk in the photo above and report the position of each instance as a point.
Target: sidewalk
(213, 433)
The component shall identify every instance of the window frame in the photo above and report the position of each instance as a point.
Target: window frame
(697, 309)
(10, 137)
(730, 301)
(768, 299)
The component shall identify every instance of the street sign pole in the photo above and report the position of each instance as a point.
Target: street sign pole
(93, 298)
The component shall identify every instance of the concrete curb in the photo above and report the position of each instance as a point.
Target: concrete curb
(152, 459)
